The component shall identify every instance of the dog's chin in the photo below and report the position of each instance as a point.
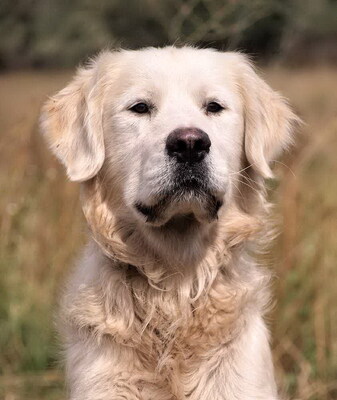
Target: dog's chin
(180, 214)
(173, 230)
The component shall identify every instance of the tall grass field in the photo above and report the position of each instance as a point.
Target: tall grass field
(42, 230)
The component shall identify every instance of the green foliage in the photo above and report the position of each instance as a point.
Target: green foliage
(63, 33)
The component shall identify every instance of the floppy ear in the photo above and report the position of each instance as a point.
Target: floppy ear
(269, 121)
(71, 122)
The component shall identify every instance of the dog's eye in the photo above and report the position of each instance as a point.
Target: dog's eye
(140, 108)
(213, 107)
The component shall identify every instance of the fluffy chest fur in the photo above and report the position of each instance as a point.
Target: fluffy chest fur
(169, 333)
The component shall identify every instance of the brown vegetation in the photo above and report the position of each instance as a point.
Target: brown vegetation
(42, 230)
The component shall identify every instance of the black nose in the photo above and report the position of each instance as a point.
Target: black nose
(188, 144)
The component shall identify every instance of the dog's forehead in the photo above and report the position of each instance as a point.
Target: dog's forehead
(168, 69)
(177, 64)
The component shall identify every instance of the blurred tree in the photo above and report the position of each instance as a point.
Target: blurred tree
(61, 33)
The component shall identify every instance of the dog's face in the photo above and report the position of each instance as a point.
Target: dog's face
(174, 132)
(170, 129)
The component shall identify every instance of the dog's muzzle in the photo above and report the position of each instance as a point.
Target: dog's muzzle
(188, 190)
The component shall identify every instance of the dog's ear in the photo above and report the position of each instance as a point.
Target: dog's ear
(71, 122)
(269, 121)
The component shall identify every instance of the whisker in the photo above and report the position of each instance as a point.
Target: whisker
(238, 189)
(245, 183)
(243, 169)
(287, 166)
(249, 178)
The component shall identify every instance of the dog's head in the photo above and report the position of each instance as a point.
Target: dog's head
(168, 131)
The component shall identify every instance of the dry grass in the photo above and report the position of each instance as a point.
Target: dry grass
(42, 229)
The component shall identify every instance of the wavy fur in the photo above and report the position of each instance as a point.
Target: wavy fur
(167, 314)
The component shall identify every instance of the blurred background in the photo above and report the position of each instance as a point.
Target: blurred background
(294, 42)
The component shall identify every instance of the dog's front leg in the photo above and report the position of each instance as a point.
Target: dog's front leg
(242, 369)
(110, 372)
(96, 373)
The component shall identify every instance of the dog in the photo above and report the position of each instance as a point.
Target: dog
(172, 147)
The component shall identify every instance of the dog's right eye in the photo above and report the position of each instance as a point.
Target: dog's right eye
(140, 108)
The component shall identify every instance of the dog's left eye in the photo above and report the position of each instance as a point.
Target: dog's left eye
(140, 108)
(213, 107)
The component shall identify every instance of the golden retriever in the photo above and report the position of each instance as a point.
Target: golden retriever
(171, 147)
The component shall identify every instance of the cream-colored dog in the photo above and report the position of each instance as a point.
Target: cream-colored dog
(171, 147)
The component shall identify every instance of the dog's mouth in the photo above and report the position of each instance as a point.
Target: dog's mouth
(181, 208)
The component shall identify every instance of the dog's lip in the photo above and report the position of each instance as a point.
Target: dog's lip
(156, 216)
(144, 210)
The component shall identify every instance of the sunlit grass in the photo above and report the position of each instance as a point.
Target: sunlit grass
(42, 230)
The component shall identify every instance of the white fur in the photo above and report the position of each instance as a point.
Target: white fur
(168, 310)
